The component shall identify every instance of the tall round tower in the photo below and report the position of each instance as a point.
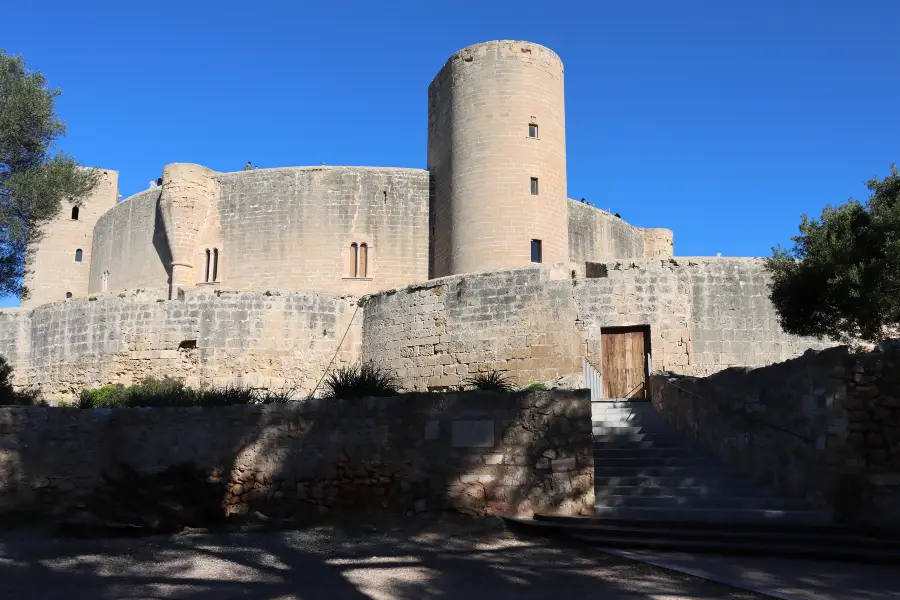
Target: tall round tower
(497, 156)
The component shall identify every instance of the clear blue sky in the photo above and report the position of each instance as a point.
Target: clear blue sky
(721, 120)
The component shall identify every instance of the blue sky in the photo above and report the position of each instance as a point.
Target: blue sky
(723, 121)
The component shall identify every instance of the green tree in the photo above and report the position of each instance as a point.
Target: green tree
(34, 180)
(842, 277)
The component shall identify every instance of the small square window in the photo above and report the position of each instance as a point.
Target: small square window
(532, 130)
(536, 254)
(534, 186)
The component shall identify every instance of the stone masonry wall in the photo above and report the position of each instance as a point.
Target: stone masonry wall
(52, 270)
(476, 452)
(437, 334)
(130, 249)
(596, 236)
(292, 228)
(705, 314)
(204, 337)
(824, 426)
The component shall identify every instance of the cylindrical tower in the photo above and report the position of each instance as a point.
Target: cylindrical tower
(497, 156)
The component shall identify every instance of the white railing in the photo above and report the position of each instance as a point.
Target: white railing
(593, 380)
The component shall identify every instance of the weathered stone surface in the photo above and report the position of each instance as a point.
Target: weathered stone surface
(364, 455)
(769, 421)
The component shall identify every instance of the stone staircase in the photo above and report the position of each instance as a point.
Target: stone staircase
(645, 469)
(656, 490)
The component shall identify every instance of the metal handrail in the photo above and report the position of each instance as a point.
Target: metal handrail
(742, 413)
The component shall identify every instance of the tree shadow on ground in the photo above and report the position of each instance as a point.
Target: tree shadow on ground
(426, 558)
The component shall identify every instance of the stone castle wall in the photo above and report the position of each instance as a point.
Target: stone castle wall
(533, 323)
(293, 228)
(595, 235)
(824, 426)
(130, 249)
(285, 229)
(260, 339)
(437, 334)
(481, 453)
(52, 270)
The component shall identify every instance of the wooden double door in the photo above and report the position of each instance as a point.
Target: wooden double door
(625, 362)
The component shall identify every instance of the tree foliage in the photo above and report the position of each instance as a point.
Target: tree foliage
(842, 277)
(34, 180)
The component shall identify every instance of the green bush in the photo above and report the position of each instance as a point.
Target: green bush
(361, 380)
(535, 387)
(163, 392)
(489, 381)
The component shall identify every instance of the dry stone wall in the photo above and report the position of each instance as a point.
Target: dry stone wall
(824, 426)
(206, 338)
(480, 453)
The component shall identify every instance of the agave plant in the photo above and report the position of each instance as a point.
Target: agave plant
(360, 380)
(490, 381)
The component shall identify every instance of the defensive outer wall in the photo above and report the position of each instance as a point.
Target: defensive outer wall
(534, 323)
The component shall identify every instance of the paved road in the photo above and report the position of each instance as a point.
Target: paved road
(332, 564)
(788, 578)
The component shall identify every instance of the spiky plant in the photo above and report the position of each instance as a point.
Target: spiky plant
(489, 381)
(360, 380)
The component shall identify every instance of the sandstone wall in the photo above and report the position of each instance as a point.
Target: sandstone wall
(536, 323)
(596, 236)
(705, 314)
(259, 339)
(437, 334)
(824, 426)
(293, 228)
(130, 249)
(52, 270)
(480, 453)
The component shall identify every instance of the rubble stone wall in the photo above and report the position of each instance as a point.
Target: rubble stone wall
(501, 453)
(824, 426)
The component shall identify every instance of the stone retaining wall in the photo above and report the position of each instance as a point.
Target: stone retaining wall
(477, 452)
(824, 426)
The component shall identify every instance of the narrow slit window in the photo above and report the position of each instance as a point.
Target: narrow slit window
(208, 264)
(215, 273)
(534, 186)
(536, 253)
(354, 259)
(363, 260)
(74, 213)
(532, 130)
(78, 255)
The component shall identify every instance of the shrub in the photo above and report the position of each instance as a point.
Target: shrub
(8, 395)
(360, 380)
(489, 381)
(163, 392)
(535, 387)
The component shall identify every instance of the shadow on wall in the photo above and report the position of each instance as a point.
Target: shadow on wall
(161, 244)
(475, 452)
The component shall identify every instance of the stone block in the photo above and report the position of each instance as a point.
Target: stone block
(432, 430)
(472, 434)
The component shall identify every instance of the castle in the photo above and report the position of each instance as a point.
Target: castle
(269, 277)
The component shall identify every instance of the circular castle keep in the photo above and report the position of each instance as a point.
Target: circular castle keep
(268, 277)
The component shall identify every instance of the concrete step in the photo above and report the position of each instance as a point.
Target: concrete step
(602, 459)
(701, 502)
(652, 452)
(725, 480)
(651, 491)
(772, 539)
(712, 515)
(701, 471)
